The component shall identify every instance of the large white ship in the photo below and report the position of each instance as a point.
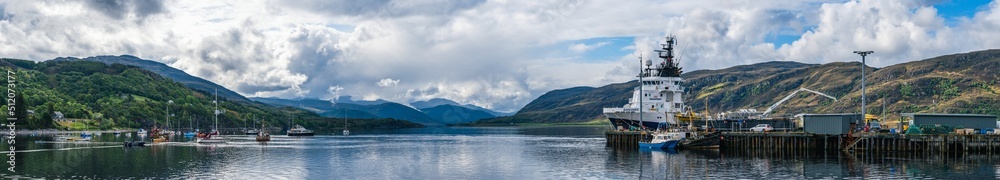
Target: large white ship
(658, 98)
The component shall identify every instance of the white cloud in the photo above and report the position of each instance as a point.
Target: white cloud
(387, 82)
(581, 47)
(496, 54)
(334, 93)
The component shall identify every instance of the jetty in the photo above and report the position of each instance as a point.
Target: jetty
(931, 133)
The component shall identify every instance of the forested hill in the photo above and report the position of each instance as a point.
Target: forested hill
(107, 96)
(958, 83)
(163, 70)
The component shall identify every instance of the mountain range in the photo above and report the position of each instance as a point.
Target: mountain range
(96, 95)
(958, 83)
(431, 112)
(451, 113)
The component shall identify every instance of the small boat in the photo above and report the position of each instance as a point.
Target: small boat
(663, 140)
(61, 138)
(211, 138)
(133, 143)
(250, 131)
(88, 138)
(346, 131)
(159, 135)
(190, 134)
(298, 130)
(160, 139)
(263, 136)
(142, 132)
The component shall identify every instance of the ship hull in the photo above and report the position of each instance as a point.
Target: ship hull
(626, 123)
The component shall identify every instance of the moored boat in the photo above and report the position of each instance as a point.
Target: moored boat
(263, 135)
(664, 140)
(190, 134)
(213, 136)
(250, 131)
(658, 98)
(298, 130)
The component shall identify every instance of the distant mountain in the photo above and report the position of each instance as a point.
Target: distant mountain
(495, 113)
(959, 83)
(365, 109)
(349, 100)
(452, 114)
(314, 105)
(348, 113)
(432, 103)
(394, 111)
(441, 101)
(193, 82)
(445, 111)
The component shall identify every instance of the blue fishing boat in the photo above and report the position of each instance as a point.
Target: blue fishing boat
(663, 140)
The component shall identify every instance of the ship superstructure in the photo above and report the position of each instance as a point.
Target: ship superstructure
(659, 96)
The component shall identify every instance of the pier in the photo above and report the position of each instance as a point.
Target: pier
(863, 142)
(625, 139)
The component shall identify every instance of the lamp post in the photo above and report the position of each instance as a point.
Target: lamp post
(863, 54)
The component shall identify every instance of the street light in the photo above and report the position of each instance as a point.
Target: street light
(863, 54)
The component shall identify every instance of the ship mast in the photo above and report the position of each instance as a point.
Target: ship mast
(641, 83)
(668, 68)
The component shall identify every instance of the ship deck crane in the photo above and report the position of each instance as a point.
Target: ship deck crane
(769, 109)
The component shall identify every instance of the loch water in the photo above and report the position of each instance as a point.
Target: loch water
(577, 152)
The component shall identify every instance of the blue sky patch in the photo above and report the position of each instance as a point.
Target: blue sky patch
(598, 49)
(954, 10)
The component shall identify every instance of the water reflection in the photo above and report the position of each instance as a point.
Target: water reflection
(463, 153)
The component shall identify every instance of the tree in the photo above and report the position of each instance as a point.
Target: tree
(46, 120)
(20, 108)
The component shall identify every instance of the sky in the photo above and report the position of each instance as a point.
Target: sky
(497, 54)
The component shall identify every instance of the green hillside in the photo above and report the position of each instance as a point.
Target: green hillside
(959, 83)
(111, 96)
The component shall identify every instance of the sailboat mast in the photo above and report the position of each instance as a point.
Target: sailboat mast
(216, 101)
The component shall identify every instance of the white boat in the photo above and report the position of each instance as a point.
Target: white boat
(211, 140)
(251, 131)
(61, 137)
(215, 140)
(346, 131)
(658, 97)
(298, 130)
(142, 132)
